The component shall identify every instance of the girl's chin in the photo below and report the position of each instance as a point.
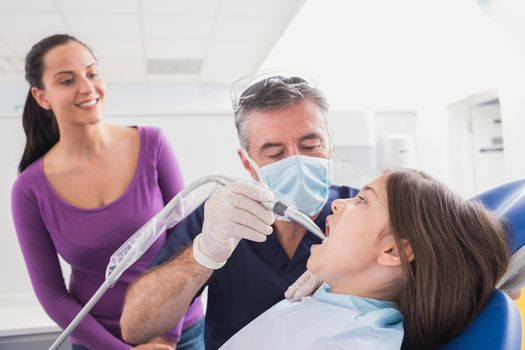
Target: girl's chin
(314, 252)
(314, 247)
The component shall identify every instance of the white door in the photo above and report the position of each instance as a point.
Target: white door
(487, 139)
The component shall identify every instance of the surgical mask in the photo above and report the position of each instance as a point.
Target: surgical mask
(301, 181)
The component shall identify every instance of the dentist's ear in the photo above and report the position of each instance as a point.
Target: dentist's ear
(39, 96)
(247, 164)
(390, 254)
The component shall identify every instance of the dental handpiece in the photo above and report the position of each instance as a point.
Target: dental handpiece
(281, 209)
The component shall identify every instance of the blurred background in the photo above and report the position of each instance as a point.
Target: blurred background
(433, 84)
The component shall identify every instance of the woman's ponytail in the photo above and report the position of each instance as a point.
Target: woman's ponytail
(41, 131)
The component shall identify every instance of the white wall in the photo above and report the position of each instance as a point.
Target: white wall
(512, 104)
(12, 273)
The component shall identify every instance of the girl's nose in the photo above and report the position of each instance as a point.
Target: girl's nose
(338, 206)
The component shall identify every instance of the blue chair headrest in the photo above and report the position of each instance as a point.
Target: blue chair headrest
(508, 201)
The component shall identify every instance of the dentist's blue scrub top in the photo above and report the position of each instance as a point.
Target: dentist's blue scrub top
(254, 278)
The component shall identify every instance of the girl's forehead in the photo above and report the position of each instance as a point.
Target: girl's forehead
(378, 184)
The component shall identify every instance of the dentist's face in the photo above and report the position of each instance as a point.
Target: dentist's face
(273, 135)
(73, 87)
(356, 233)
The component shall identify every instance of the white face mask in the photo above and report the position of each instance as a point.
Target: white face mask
(303, 181)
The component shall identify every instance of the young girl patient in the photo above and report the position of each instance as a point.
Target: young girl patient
(407, 264)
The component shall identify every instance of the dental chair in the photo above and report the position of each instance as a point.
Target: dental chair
(498, 326)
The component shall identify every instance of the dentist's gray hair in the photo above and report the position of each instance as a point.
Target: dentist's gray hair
(275, 93)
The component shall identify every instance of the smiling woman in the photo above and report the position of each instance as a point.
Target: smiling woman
(84, 188)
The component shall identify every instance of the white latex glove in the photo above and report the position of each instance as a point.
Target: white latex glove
(232, 213)
(305, 286)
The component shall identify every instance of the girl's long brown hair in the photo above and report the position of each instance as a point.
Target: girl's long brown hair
(460, 249)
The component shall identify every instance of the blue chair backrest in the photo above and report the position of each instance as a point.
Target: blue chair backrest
(498, 326)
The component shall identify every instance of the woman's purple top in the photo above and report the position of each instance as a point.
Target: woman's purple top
(86, 238)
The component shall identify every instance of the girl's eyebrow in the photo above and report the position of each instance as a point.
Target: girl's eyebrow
(368, 188)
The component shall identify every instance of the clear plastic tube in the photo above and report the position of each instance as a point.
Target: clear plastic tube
(184, 203)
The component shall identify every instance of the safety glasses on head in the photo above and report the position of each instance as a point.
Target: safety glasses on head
(249, 86)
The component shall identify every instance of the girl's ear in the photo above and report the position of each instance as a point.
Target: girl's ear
(391, 256)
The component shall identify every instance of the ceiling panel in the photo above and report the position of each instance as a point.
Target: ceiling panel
(175, 49)
(124, 70)
(5, 67)
(111, 49)
(188, 8)
(266, 8)
(104, 26)
(167, 78)
(230, 37)
(17, 64)
(5, 50)
(98, 6)
(184, 28)
(34, 24)
(21, 45)
(12, 77)
(247, 30)
(27, 5)
(11, 65)
(225, 62)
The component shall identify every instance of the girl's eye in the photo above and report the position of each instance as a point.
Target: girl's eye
(67, 82)
(361, 200)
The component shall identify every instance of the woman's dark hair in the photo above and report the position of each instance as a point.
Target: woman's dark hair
(40, 125)
(461, 251)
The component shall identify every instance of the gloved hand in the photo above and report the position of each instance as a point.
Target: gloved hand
(232, 213)
(305, 286)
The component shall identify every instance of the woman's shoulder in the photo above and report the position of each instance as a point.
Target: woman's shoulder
(150, 131)
(147, 135)
(151, 136)
(28, 180)
(154, 139)
(30, 175)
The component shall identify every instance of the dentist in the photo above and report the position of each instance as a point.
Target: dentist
(227, 244)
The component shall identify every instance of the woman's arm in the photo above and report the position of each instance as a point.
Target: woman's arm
(46, 275)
